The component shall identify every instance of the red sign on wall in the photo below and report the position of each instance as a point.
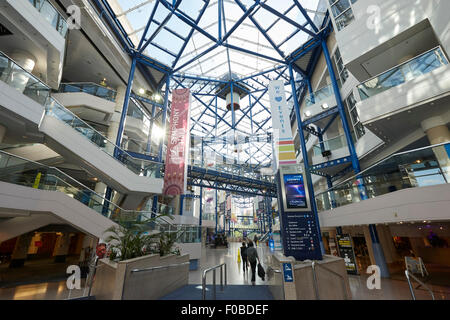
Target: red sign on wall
(175, 174)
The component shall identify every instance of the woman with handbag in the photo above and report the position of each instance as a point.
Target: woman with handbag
(252, 257)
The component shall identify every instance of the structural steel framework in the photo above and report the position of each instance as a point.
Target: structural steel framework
(211, 121)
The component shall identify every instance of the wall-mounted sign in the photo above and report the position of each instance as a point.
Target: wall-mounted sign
(294, 189)
(345, 247)
(175, 175)
(287, 272)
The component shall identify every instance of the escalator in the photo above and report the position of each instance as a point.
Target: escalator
(28, 100)
(33, 195)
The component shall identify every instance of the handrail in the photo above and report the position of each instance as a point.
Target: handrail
(316, 285)
(381, 161)
(213, 269)
(402, 64)
(411, 289)
(82, 185)
(160, 267)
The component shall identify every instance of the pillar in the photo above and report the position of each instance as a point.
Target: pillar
(62, 247)
(2, 133)
(375, 250)
(20, 252)
(387, 243)
(437, 132)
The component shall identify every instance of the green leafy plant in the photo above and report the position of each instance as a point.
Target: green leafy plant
(133, 239)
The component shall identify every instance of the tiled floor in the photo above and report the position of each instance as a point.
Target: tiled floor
(390, 289)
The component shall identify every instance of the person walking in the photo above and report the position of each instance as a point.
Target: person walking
(252, 256)
(255, 240)
(244, 256)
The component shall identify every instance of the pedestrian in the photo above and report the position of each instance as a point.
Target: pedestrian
(244, 256)
(255, 240)
(252, 257)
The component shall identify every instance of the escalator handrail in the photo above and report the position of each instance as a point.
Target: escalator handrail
(81, 184)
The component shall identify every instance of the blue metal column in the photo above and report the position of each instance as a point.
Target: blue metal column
(164, 118)
(378, 252)
(305, 156)
(150, 133)
(311, 93)
(217, 216)
(200, 220)
(126, 103)
(182, 203)
(154, 206)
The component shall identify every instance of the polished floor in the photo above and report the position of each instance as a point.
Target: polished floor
(391, 289)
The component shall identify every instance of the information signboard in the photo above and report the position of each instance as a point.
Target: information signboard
(346, 251)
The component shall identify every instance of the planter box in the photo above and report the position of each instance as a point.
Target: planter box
(116, 281)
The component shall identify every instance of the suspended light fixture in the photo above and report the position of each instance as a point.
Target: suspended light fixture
(236, 101)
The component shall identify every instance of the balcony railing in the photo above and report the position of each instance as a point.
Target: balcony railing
(21, 171)
(320, 95)
(416, 168)
(407, 71)
(18, 78)
(89, 88)
(51, 15)
(331, 144)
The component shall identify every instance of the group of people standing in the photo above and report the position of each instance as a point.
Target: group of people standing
(249, 255)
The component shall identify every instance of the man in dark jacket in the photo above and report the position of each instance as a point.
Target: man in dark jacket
(244, 256)
(252, 256)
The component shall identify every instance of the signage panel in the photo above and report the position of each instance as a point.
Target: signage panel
(175, 176)
(287, 272)
(345, 247)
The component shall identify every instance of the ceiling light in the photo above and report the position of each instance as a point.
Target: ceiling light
(308, 113)
(141, 91)
(157, 133)
(325, 106)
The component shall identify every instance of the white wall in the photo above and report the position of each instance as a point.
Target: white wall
(414, 204)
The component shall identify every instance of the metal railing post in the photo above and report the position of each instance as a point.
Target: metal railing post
(316, 286)
(221, 278)
(214, 284)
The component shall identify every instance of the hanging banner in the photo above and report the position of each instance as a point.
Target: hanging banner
(175, 175)
(283, 143)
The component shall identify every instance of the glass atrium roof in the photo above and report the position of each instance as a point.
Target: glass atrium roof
(257, 36)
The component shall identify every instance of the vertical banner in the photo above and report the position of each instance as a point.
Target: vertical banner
(175, 175)
(283, 143)
(346, 251)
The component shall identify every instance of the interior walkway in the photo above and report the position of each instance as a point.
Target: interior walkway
(391, 289)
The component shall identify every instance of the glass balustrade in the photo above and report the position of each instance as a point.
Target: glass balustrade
(331, 144)
(186, 233)
(138, 166)
(15, 76)
(89, 88)
(52, 15)
(416, 168)
(420, 65)
(20, 171)
(319, 95)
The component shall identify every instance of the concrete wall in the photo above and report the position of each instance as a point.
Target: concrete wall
(115, 281)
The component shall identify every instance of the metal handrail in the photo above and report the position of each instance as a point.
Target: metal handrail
(316, 285)
(381, 161)
(160, 267)
(82, 185)
(403, 63)
(408, 275)
(222, 267)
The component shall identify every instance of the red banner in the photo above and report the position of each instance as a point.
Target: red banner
(175, 173)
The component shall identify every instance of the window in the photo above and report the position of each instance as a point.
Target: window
(342, 12)
(342, 70)
(358, 128)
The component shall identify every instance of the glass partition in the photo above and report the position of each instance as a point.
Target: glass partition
(15, 76)
(138, 166)
(52, 15)
(331, 144)
(416, 168)
(420, 65)
(320, 95)
(89, 88)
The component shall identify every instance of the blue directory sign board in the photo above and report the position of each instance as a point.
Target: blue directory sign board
(287, 272)
(299, 229)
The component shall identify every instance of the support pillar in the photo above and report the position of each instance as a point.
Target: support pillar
(61, 247)
(387, 243)
(375, 250)
(20, 252)
(2, 133)
(437, 133)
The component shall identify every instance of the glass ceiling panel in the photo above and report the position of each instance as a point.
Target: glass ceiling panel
(168, 44)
